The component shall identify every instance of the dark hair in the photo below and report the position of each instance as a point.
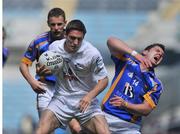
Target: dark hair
(76, 25)
(155, 44)
(56, 12)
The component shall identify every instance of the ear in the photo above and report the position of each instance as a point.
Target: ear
(65, 35)
(65, 21)
(48, 23)
(144, 52)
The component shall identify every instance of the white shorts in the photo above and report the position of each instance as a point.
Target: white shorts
(44, 99)
(118, 126)
(66, 108)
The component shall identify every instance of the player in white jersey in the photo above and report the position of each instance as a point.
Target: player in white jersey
(43, 86)
(82, 78)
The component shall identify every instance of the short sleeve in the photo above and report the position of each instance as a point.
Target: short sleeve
(98, 67)
(30, 54)
(153, 89)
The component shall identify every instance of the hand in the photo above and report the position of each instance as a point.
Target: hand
(42, 70)
(145, 61)
(118, 101)
(84, 103)
(38, 86)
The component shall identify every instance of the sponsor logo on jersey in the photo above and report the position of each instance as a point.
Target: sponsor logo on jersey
(57, 61)
(130, 74)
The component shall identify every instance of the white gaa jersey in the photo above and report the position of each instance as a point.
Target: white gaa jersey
(81, 70)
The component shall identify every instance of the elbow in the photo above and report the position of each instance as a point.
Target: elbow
(146, 112)
(110, 41)
(106, 81)
(20, 67)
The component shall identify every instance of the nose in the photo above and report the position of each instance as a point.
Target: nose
(76, 41)
(56, 27)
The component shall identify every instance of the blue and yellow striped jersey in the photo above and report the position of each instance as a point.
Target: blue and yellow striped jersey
(133, 85)
(35, 49)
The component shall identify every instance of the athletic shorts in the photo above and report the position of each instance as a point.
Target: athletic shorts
(118, 126)
(44, 99)
(66, 108)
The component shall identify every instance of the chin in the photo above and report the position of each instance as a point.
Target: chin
(154, 65)
(57, 36)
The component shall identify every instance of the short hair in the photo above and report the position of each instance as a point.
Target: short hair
(155, 44)
(56, 12)
(76, 25)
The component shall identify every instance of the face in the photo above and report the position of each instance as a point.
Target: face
(155, 55)
(73, 41)
(56, 25)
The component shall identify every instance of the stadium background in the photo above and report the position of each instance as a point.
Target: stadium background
(138, 22)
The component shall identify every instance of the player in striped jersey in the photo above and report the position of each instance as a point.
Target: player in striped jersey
(135, 89)
(43, 86)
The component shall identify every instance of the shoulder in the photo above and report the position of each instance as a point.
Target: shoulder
(57, 44)
(88, 48)
(158, 81)
(153, 79)
(42, 35)
(40, 39)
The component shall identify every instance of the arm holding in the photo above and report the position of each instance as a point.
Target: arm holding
(37, 86)
(117, 46)
(99, 87)
(143, 109)
(138, 109)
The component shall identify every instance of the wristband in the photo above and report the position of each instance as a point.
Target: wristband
(133, 53)
(125, 104)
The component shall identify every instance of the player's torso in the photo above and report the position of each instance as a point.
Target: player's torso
(77, 73)
(129, 86)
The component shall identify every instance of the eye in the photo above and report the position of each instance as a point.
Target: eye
(54, 24)
(74, 38)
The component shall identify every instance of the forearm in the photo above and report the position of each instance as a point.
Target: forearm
(86, 100)
(118, 46)
(101, 85)
(138, 109)
(24, 69)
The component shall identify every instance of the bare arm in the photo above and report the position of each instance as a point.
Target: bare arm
(86, 100)
(138, 109)
(37, 86)
(117, 46)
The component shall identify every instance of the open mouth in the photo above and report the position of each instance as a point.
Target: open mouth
(156, 59)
